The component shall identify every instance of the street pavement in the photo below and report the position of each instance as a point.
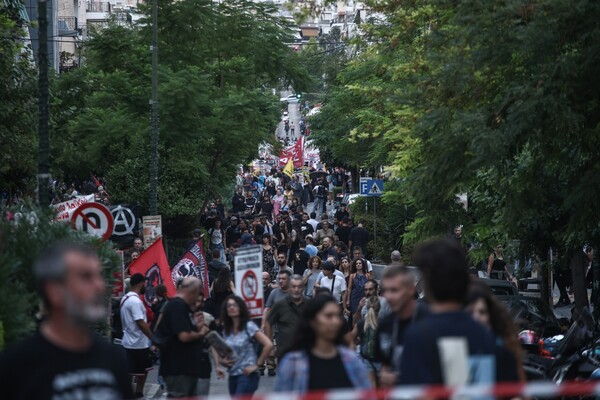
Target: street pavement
(294, 117)
(218, 387)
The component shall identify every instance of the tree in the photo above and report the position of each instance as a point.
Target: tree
(18, 133)
(494, 99)
(217, 65)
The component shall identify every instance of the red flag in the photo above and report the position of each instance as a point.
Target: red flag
(96, 181)
(153, 264)
(193, 263)
(295, 152)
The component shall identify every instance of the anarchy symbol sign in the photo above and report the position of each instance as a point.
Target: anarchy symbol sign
(124, 221)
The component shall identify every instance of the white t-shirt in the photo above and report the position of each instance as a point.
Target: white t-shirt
(339, 286)
(132, 309)
(336, 272)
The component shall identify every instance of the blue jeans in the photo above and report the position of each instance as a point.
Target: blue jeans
(318, 206)
(243, 385)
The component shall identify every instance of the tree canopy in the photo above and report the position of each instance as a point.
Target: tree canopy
(495, 99)
(218, 66)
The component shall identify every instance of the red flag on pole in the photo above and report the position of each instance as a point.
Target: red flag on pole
(193, 263)
(153, 264)
(295, 152)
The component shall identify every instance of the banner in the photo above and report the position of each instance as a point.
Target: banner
(248, 279)
(153, 264)
(295, 153)
(127, 224)
(193, 263)
(66, 209)
(152, 228)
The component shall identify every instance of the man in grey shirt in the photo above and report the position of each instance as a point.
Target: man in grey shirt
(371, 289)
(277, 294)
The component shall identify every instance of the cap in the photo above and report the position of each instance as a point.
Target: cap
(136, 278)
(328, 265)
(233, 218)
(197, 232)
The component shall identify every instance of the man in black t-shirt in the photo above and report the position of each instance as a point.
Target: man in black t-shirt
(306, 228)
(237, 202)
(232, 233)
(183, 356)
(359, 237)
(447, 347)
(301, 257)
(398, 285)
(343, 231)
(63, 359)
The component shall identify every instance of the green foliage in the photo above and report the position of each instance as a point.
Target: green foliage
(218, 63)
(496, 99)
(21, 242)
(18, 106)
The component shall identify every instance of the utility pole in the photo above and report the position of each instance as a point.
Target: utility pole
(43, 176)
(154, 115)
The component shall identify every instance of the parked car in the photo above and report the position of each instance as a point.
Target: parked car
(500, 287)
(292, 98)
(533, 314)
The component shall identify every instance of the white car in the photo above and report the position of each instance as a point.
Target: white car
(289, 99)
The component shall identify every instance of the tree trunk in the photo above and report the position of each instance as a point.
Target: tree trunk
(579, 264)
(545, 283)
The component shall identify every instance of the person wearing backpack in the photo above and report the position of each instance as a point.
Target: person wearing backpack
(320, 193)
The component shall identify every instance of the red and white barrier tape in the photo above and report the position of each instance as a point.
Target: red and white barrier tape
(534, 389)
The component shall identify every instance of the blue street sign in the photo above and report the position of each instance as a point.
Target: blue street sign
(372, 188)
(364, 186)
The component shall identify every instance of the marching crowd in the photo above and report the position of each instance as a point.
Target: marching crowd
(327, 323)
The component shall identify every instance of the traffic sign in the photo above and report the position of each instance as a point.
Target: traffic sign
(248, 268)
(364, 185)
(249, 286)
(95, 219)
(375, 188)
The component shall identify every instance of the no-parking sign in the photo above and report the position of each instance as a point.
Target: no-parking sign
(95, 219)
(248, 279)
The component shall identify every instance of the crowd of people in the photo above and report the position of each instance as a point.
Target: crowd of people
(345, 331)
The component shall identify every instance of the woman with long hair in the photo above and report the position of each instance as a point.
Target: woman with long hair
(318, 360)
(269, 255)
(221, 288)
(488, 311)
(356, 286)
(346, 269)
(311, 274)
(365, 336)
(243, 336)
(285, 239)
(277, 201)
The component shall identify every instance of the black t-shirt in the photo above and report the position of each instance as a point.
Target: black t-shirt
(214, 267)
(340, 214)
(250, 202)
(237, 202)
(301, 258)
(390, 340)
(176, 357)
(359, 237)
(327, 373)
(305, 229)
(343, 233)
(424, 342)
(232, 233)
(267, 208)
(37, 369)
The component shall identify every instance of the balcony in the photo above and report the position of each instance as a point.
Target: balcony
(98, 7)
(67, 26)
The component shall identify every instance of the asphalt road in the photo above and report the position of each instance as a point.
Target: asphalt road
(218, 387)
(294, 116)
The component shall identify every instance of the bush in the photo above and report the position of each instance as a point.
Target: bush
(23, 236)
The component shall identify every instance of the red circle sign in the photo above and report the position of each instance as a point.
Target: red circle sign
(95, 219)
(249, 286)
